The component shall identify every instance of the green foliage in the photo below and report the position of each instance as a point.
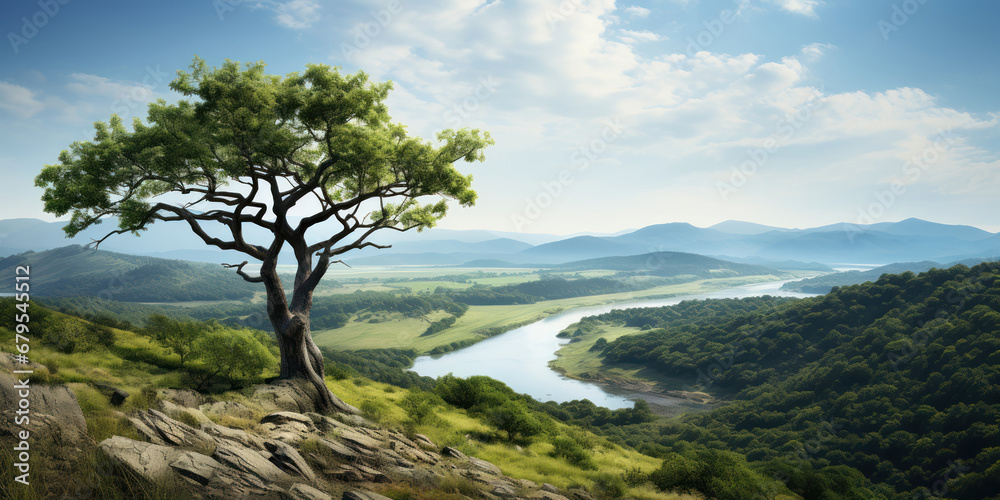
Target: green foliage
(439, 326)
(238, 118)
(573, 451)
(548, 288)
(419, 405)
(374, 409)
(179, 336)
(238, 355)
(390, 366)
(895, 382)
(514, 419)
(718, 474)
(609, 485)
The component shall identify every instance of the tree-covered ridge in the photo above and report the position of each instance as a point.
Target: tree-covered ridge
(898, 379)
(671, 264)
(78, 271)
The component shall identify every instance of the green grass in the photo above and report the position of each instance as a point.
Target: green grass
(449, 426)
(427, 286)
(405, 332)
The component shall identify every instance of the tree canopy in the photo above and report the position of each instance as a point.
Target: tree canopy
(246, 148)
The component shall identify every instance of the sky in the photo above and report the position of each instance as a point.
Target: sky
(607, 115)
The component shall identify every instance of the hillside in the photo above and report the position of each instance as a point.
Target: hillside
(823, 284)
(77, 271)
(670, 264)
(897, 381)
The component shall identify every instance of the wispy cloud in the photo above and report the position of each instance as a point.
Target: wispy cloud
(294, 14)
(637, 11)
(630, 36)
(804, 7)
(19, 100)
(814, 51)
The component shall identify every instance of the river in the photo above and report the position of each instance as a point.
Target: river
(520, 358)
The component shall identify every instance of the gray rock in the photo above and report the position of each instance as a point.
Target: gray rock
(118, 397)
(550, 488)
(547, 495)
(238, 436)
(297, 420)
(363, 495)
(358, 440)
(503, 490)
(305, 492)
(338, 449)
(249, 461)
(181, 397)
(448, 451)
(55, 412)
(579, 494)
(484, 466)
(162, 429)
(425, 442)
(147, 460)
(289, 459)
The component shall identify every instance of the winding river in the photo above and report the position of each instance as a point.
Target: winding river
(520, 358)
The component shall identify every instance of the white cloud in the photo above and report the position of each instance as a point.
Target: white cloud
(688, 119)
(631, 37)
(294, 14)
(804, 7)
(814, 51)
(19, 100)
(635, 11)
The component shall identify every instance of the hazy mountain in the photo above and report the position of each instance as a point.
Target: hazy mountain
(77, 271)
(670, 264)
(741, 227)
(580, 247)
(908, 240)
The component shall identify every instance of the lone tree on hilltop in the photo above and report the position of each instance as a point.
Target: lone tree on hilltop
(246, 149)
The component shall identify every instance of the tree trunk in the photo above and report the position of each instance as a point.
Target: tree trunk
(301, 359)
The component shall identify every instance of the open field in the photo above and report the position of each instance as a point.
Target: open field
(405, 332)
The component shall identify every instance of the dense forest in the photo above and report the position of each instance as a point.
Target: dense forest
(896, 381)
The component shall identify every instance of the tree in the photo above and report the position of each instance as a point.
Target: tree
(178, 336)
(242, 152)
(235, 354)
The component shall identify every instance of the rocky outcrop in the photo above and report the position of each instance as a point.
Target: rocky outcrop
(290, 454)
(54, 411)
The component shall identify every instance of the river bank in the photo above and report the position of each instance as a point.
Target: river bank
(520, 358)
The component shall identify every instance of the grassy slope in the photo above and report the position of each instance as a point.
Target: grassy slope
(531, 462)
(80, 370)
(405, 333)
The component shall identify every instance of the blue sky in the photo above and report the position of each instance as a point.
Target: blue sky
(607, 115)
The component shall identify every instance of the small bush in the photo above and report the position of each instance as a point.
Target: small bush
(609, 485)
(573, 452)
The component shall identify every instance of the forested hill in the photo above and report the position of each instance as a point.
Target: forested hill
(671, 264)
(897, 378)
(76, 270)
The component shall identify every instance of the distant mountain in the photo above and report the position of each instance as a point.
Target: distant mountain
(904, 241)
(741, 227)
(77, 271)
(670, 264)
(580, 247)
(918, 227)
